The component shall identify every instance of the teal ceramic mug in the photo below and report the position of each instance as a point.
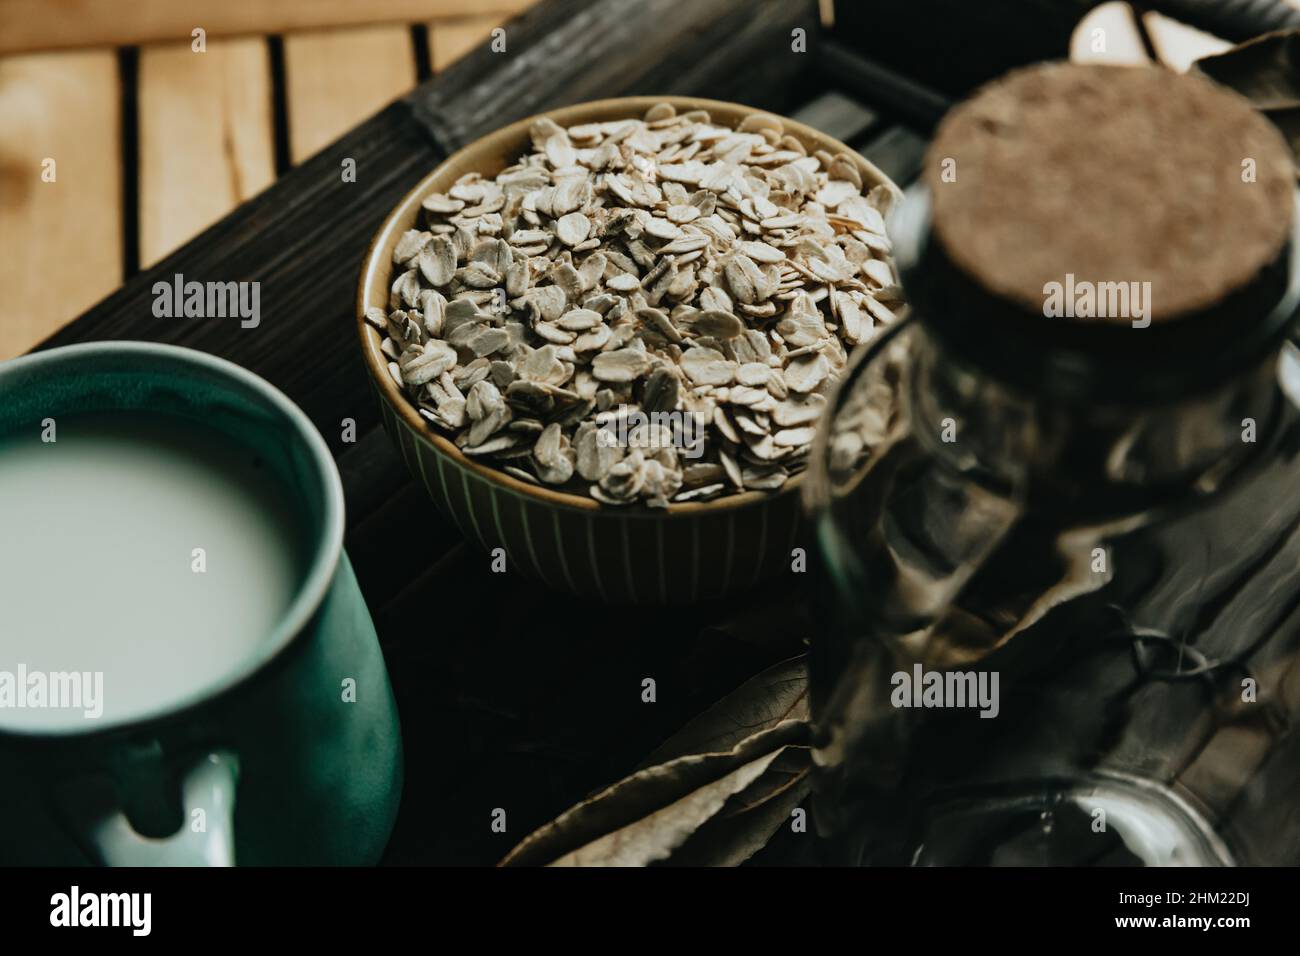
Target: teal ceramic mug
(188, 671)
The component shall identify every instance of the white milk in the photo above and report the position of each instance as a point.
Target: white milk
(98, 569)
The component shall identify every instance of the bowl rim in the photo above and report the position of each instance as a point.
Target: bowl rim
(378, 263)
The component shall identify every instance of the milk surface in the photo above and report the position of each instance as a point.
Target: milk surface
(99, 572)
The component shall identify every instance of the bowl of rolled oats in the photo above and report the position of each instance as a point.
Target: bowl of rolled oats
(602, 337)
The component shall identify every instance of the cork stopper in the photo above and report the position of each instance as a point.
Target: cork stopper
(1070, 174)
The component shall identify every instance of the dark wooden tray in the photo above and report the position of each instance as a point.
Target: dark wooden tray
(510, 697)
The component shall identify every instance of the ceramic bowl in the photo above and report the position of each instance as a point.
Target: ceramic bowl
(682, 554)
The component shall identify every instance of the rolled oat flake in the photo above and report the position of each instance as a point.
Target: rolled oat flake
(644, 278)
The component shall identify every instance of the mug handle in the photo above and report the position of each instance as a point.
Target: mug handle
(209, 786)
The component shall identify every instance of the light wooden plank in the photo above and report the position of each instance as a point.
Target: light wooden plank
(1179, 45)
(206, 138)
(60, 241)
(50, 24)
(1108, 34)
(837, 115)
(449, 40)
(336, 78)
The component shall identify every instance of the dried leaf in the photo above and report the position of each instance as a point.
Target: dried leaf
(659, 806)
(1266, 71)
(752, 817)
(654, 838)
(778, 694)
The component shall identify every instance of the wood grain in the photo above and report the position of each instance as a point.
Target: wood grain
(206, 137)
(336, 78)
(449, 40)
(60, 241)
(567, 51)
(51, 24)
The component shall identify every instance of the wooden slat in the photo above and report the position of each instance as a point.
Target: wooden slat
(449, 40)
(889, 91)
(336, 78)
(303, 240)
(1120, 37)
(61, 241)
(898, 152)
(837, 115)
(304, 237)
(51, 24)
(206, 137)
(739, 51)
(1179, 45)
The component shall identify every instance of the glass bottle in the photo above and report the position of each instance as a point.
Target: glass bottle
(1091, 540)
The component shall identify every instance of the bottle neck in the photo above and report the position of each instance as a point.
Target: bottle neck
(1108, 456)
